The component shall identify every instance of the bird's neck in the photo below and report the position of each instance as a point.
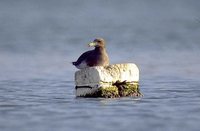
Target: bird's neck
(99, 49)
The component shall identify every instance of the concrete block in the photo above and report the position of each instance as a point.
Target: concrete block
(97, 79)
(100, 75)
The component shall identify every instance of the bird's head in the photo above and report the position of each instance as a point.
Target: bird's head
(99, 42)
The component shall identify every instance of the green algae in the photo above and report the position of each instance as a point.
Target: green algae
(106, 92)
(128, 89)
(118, 89)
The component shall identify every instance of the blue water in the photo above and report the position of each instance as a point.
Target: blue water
(39, 39)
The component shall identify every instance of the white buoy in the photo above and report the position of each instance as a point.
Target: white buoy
(90, 79)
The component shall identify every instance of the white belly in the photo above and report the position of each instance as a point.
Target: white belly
(82, 65)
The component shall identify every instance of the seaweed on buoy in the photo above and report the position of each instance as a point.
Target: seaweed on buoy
(128, 89)
(118, 89)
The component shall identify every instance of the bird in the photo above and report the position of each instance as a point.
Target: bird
(96, 57)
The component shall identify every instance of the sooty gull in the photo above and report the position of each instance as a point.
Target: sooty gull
(96, 57)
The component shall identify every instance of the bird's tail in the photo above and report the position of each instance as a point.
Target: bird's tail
(73, 63)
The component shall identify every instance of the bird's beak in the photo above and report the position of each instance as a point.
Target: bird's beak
(92, 44)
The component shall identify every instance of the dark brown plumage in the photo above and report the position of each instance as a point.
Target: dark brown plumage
(96, 57)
